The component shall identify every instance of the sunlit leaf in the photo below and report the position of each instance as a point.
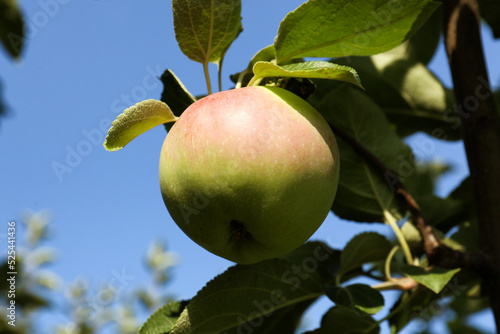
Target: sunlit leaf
(325, 28)
(136, 120)
(435, 278)
(163, 319)
(310, 69)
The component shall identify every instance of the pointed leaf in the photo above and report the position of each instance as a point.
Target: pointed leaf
(356, 296)
(11, 27)
(364, 193)
(175, 95)
(205, 29)
(163, 319)
(246, 296)
(325, 28)
(136, 120)
(363, 248)
(310, 69)
(435, 279)
(341, 319)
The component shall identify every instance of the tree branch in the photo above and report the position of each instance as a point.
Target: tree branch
(438, 253)
(480, 130)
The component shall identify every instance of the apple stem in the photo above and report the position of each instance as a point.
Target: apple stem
(255, 81)
(219, 77)
(239, 82)
(207, 77)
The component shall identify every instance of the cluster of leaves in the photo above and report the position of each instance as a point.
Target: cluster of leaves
(378, 90)
(88, 309)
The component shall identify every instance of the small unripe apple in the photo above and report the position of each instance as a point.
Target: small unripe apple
(249, 174)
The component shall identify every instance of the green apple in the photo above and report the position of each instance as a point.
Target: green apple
(249, 174)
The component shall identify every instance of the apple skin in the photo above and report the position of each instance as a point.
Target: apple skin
(249, 174)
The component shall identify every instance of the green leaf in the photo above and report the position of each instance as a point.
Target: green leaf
(205, 29)
(163, 319)
(423, 44)
(11, 27)
(325, 28)
(327, 259)
(310, 69)
(175, 95)
(490, 11)
(411, 96)
(136, 120)
(435, 278)
(340, 319)
(360, 296)
(364, 193)
(246, 297)
(264, 54)
(363, 248)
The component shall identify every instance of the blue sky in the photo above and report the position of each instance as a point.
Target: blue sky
(84, 62)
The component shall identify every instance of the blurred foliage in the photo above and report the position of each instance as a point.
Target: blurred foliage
(11, 27)
(88, 308)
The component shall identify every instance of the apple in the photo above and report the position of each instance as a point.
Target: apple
(249, 174)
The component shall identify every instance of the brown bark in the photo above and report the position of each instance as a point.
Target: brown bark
(480, 130)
